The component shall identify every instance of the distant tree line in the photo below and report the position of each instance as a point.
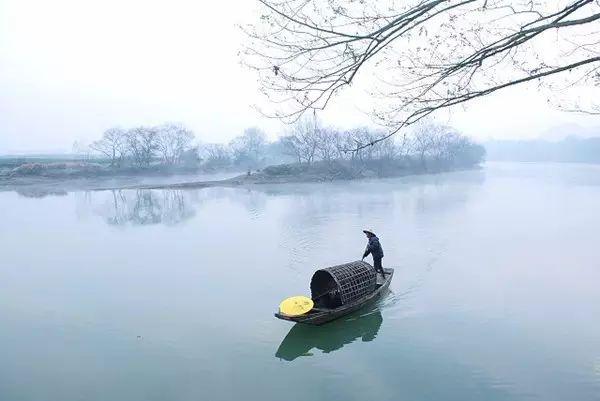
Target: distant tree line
(249, 150)
(173, 144)
(305, 142)
(168, 143)
(571, 149)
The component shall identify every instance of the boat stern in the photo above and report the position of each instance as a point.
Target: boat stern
(281, 316)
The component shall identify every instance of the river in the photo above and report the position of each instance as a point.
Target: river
(169, 294)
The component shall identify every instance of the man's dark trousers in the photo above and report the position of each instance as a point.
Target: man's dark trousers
(378, 266)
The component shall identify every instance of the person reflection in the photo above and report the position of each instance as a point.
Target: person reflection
(329, 337)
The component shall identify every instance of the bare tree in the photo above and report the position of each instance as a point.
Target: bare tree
(326, 141)
(113, 145)
(81, 149)
(302, 139)
(386, 149)
(364, 135)
(444, 143)
(423, 140)
(291, 147)
(425, 55)
(462, 151)
(142, 144)
(249, 148)
(215, 155)
(172, 141)
(255, 140)
(343, 142)
(191, 156)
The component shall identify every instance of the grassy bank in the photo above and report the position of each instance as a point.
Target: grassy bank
(49, 177)
(323, 171)
(15, 168)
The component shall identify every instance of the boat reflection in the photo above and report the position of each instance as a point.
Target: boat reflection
(330, 337)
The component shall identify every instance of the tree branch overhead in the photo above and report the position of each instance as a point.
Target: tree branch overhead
(417, 56)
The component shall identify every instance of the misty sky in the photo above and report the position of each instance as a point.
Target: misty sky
(70, 69)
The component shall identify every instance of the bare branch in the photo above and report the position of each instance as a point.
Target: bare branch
(417, 56)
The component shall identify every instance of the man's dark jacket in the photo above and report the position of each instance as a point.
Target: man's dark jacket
(374, 247)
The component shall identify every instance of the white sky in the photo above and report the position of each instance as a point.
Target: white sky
(69, 69)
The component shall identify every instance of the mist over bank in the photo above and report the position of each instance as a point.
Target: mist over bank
(307, 153)
(39, 179)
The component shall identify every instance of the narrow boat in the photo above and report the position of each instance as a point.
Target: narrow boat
(339, 290)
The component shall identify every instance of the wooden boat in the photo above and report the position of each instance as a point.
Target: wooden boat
(324, 312)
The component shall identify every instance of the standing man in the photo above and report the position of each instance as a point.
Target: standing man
(374, 248)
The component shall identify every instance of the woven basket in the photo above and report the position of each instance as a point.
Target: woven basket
(344, 283)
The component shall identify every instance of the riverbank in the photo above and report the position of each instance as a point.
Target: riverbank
(57, 179)
(40, 176)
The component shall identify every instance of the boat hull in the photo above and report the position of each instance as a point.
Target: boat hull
(319, 316)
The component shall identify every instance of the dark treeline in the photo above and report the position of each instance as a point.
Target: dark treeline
(306, 142)
(570, 149)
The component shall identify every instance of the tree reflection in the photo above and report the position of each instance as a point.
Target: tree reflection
(34, 192)
(330, 337)
(146, 207)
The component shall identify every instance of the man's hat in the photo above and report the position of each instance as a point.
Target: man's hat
(368, 231)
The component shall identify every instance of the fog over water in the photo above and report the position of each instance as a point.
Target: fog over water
(169, 294)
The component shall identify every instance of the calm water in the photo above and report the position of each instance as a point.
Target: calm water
(169, 295)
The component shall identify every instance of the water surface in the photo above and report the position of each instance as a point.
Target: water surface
(168, 295)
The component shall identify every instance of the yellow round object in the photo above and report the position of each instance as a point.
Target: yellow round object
(296, 306)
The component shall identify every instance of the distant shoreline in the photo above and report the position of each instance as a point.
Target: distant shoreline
(39, 185)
